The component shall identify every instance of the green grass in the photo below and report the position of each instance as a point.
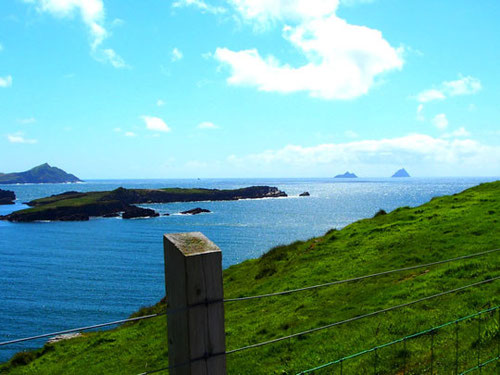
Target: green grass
(446, 227)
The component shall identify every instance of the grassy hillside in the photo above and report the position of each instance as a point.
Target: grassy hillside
(444, 228)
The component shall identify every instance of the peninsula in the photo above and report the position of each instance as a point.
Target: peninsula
(401, 173)
(346, 175)
(42, 174)
(76, 206)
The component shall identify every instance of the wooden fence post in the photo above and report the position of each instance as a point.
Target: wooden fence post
(193, 281)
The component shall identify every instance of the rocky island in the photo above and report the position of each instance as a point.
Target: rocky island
(346, 175)
(43, 174)
(7, 197)
(76, 206)
(401, 173)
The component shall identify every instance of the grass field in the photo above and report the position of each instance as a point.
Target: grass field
(446, 227)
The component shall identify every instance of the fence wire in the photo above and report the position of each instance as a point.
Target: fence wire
(412, 336)
(361, 316)
(337, 282)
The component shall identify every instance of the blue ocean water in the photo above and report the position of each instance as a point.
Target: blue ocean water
(60, 275)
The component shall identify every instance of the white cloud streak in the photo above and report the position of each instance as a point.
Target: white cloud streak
(176, 55)
(420, 115)
(19, 138)
(462, 86)
(343, 60)
(156, 124)
(201, 5)
(6, 81)
(207, 125)
(93, 16)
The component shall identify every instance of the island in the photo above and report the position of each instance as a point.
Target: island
(77, 206)
(7, 197)
(346, 175)
(401, 173)
(42, 174)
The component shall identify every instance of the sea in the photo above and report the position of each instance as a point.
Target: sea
(60, 275)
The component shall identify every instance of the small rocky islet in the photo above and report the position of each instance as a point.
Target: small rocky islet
(78, 206)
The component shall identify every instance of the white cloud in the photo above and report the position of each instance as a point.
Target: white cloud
(156, 124)
(351, 134)
(160, 103)
(420, 116)
(201, 5)
(28, 120)
(413, 149)
(430, 95)
(176, 55)
(440, 121)
(130, 134)
(355, 2)
(459, 133)
(343, 60)
(93, 15)
(207, 125)
(118, 130)
(19, 138)
(6, 81)
(462, 86)
(110, 56)
(1, 47)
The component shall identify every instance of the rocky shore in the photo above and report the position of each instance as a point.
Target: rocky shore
(77, 206)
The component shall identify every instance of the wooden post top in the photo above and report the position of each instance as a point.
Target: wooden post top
(192, 243)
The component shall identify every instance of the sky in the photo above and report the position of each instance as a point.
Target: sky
(250, 88)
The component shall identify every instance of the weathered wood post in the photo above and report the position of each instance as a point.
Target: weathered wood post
(193, 282)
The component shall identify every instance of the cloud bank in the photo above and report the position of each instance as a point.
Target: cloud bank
(413, 149)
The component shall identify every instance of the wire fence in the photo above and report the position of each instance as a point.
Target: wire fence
(339, 362)
(432, 332)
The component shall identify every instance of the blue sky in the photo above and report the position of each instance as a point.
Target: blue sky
(250, 88)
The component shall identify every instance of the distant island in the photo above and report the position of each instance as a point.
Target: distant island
(43, 174)
(7, 197)
(76, 206)
(401, 173)
(346, 175)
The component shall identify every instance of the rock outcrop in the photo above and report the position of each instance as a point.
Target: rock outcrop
(133, 212)
(7, 197)
(304, 194)
(195, 211)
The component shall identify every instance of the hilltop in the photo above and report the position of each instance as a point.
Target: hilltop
(401, 173)
(346, 175)
(41, 174)
(443, 228)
